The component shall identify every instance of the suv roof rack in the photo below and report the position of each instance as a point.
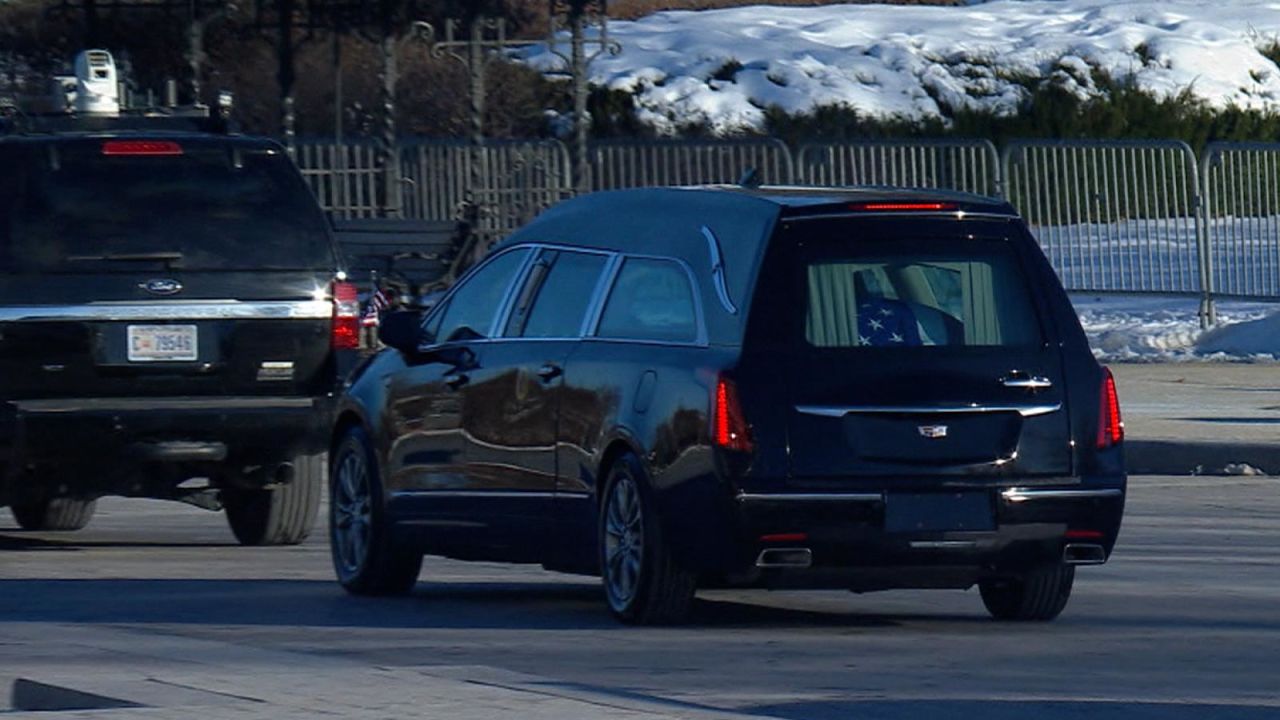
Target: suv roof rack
(197, 118)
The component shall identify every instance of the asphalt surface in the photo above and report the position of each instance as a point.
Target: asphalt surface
(154, 612)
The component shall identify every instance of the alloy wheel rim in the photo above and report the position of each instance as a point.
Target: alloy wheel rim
(352, 512)
(623, 541)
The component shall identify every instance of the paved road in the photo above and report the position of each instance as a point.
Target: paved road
(153, 607)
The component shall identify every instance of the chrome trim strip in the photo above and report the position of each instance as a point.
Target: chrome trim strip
(173, 310)
(1017, 495)
(943, 544)
(811, 497)
(59, 405)
(837, 411)
(946, 214)
(717, 270)
(502, 494)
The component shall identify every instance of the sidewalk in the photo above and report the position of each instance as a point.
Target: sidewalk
(1200, 418)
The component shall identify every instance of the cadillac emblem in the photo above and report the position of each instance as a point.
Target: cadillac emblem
(933, 432)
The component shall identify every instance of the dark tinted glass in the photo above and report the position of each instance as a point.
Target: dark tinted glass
(475, 303)
(561, 296)
(650, 300)
(905, 293)
(67, 207)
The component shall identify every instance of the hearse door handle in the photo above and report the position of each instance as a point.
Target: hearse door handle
(456, 380)
(549, 372)
(1034, 382)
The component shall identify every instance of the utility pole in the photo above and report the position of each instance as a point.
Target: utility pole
(577, 16)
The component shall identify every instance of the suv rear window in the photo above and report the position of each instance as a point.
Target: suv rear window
(918, 293)
(66, 206)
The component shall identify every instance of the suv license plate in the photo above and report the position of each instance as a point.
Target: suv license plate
(162, 343)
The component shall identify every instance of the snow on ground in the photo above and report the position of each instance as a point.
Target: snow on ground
(1162, 329)
(911, 61)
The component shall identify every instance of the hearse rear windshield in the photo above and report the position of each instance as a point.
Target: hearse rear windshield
(95, 205)
(905, 284)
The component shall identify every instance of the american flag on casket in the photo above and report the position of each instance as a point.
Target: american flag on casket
(883, 322)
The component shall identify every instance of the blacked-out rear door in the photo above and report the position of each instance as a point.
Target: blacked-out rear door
(921, 351)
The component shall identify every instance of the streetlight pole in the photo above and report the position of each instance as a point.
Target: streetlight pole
(577, 16)
(486, 38)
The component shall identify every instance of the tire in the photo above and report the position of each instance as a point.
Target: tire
(53, 514)
(366, 558)
(643, 583)
(1039, 595)
(281, 515)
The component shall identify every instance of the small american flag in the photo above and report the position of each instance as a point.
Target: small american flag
(887, 323)
(378, 302)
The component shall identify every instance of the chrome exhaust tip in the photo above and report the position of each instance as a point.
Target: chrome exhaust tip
(1083, 554)
(785, 558)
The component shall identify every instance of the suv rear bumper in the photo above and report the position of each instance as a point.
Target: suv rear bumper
(139, 446)
(849, 546)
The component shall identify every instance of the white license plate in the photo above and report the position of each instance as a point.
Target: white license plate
(162, 343)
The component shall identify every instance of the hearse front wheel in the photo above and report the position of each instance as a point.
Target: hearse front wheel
(366, 558)
(1039, 594)
(643, 584)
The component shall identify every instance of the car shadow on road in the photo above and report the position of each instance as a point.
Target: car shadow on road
(315, 603)
(20, 542)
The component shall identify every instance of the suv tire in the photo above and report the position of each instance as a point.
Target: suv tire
(1040, 594)
(366, 557)
(281, 515)
(53, 514)
(643, 583)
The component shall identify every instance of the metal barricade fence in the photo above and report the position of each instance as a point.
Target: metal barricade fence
(965, 165)
(1112, 216)
(1241, 219)
(345, 178)
(627, 164)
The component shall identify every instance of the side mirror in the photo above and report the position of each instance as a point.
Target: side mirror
(401, 330)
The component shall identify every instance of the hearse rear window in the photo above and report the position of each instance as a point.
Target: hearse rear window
(962, 292)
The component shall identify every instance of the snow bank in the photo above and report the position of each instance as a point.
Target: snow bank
(1165, 329)
(913, 61)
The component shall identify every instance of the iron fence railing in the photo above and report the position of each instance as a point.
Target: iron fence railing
(1112, 216)
(965, 165)
(627, 164)
(1115, 216)
(1241, 219)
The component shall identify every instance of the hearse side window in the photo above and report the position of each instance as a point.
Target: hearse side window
(471, 308)
(556, 294)
(650, 300)
(970, 293)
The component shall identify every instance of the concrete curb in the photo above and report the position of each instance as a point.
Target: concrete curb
(1181, 457)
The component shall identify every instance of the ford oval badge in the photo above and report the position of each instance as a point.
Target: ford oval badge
(162, 287)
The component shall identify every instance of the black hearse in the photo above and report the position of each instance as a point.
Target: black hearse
(775, 387)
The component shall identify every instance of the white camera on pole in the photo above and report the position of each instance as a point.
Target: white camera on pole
(97, 91)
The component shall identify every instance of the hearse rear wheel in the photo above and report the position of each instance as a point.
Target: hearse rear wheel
(643, 583)
(366, 558)
(1040, 594)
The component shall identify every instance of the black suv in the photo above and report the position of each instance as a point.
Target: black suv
(780, 388)
(173, 324)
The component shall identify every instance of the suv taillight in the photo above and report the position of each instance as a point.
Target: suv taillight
(1110, 426)
(346, 317)
(728, 425)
